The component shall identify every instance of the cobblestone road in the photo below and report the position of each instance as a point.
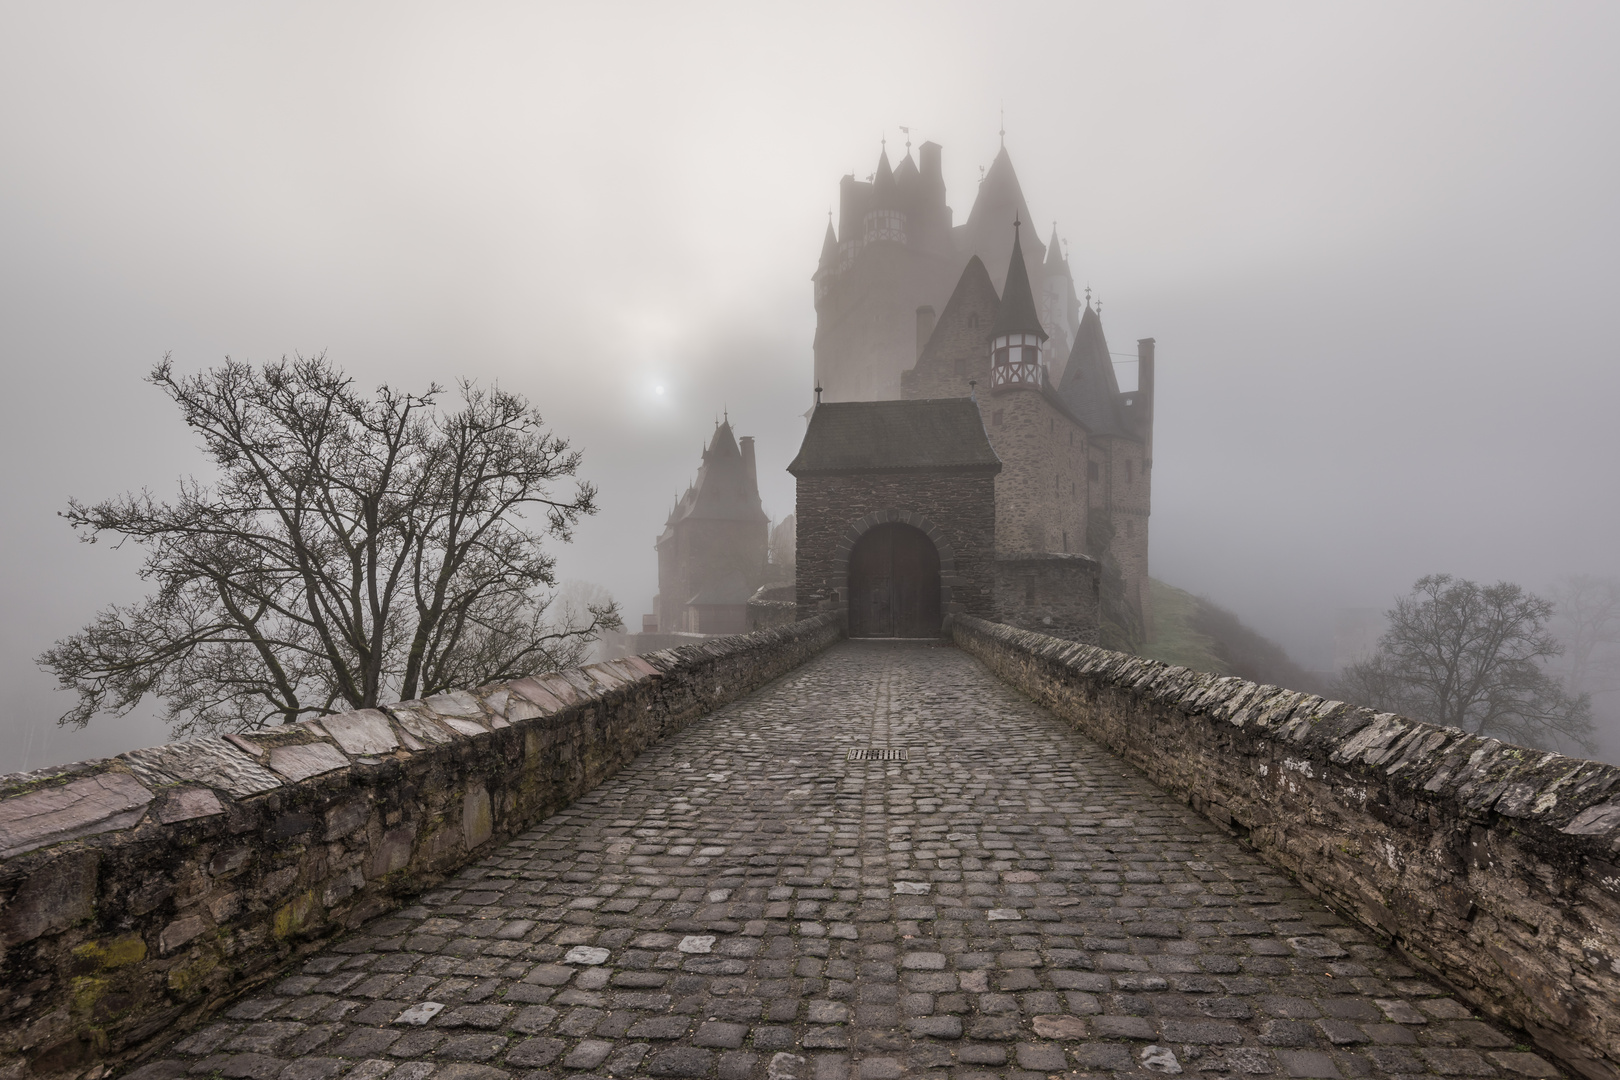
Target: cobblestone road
(744, 903)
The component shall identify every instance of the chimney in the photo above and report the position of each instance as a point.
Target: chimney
(747, 442)
(925, 327)
(1144, 388)
(928, 165)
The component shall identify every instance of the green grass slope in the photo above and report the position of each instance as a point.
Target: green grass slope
(1197, 633)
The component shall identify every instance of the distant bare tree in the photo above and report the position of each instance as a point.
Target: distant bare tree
(352, 547)
(1464, 655)
(1587, 624)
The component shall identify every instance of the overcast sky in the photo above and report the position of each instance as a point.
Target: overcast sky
(1376, 244)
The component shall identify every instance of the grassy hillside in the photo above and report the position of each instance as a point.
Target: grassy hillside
(1197, 633)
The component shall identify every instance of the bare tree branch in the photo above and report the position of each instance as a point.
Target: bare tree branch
(351, 548)
(1473, 657)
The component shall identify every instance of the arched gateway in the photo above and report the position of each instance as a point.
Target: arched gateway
(894, 583)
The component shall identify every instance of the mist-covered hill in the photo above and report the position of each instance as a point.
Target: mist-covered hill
(1198, 633)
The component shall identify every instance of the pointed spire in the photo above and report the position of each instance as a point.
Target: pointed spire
(1054, 253)
(1016, 315)
(883, 191)
(1089, 386)
(829, 244)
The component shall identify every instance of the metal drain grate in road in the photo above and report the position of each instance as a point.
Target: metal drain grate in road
(873, 753)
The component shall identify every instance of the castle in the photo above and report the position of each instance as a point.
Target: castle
(1010, 332)
(967, 415)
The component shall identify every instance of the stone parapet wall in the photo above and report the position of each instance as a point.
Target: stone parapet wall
(1490, 865)
(139, 893)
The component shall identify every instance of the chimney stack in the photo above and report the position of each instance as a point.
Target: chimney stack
(925, 327)
(747, 442)
(1144, 387)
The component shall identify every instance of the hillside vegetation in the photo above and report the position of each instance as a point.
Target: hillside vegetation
(1195, 632)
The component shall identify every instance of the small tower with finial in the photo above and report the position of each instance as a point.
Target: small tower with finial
(1017, 338)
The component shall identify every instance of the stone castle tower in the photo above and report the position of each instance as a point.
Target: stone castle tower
(713, 551)
(896, 252)
(1010, 333)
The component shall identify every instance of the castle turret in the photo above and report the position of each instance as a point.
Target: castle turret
(886, 219)
(1017, 337)
(827, 266)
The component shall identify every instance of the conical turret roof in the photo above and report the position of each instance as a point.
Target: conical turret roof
(1054, 253)
(883, 191)
(1000, 196)
(1016, 315)
(905, 173)
(829, 245)
(1089, 388)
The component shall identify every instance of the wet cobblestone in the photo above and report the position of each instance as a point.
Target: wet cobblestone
(744, 903)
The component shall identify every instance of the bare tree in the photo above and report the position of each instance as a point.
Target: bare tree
(351, 548)
(1464, 655)
(1587, 624)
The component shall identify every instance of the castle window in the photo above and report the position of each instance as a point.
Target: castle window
(995, 418)
(973, 321)
(1065, 539)
(1051, 425)
(1015, 359)
(1130, 472)
(885, 225)
(1091, 470)
(1071, 494)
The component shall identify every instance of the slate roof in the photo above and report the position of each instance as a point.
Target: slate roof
(1016, 315)
(726, 590)
(1090, 388)
(945, 434)
(723, 490)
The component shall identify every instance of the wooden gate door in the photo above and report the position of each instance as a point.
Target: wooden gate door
(894, 584)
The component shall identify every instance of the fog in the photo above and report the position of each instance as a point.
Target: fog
(1376, 244)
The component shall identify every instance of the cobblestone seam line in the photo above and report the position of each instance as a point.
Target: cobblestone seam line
(741, 903)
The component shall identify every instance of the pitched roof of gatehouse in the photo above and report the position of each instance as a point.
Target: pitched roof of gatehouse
(934, 434)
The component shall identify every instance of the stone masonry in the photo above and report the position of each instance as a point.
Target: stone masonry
(994, 896)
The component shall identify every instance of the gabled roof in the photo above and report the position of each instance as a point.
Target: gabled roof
(727, 589)
(940, 434)
(1017, 315)
(1090, 388)
(975, 294)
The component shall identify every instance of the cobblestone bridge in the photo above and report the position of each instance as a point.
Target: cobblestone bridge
(986, 893)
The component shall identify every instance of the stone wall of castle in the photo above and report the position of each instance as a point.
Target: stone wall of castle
(1041, 492)
(139, 894)
(959, 509)
(1493, 867)
(1060, 595)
